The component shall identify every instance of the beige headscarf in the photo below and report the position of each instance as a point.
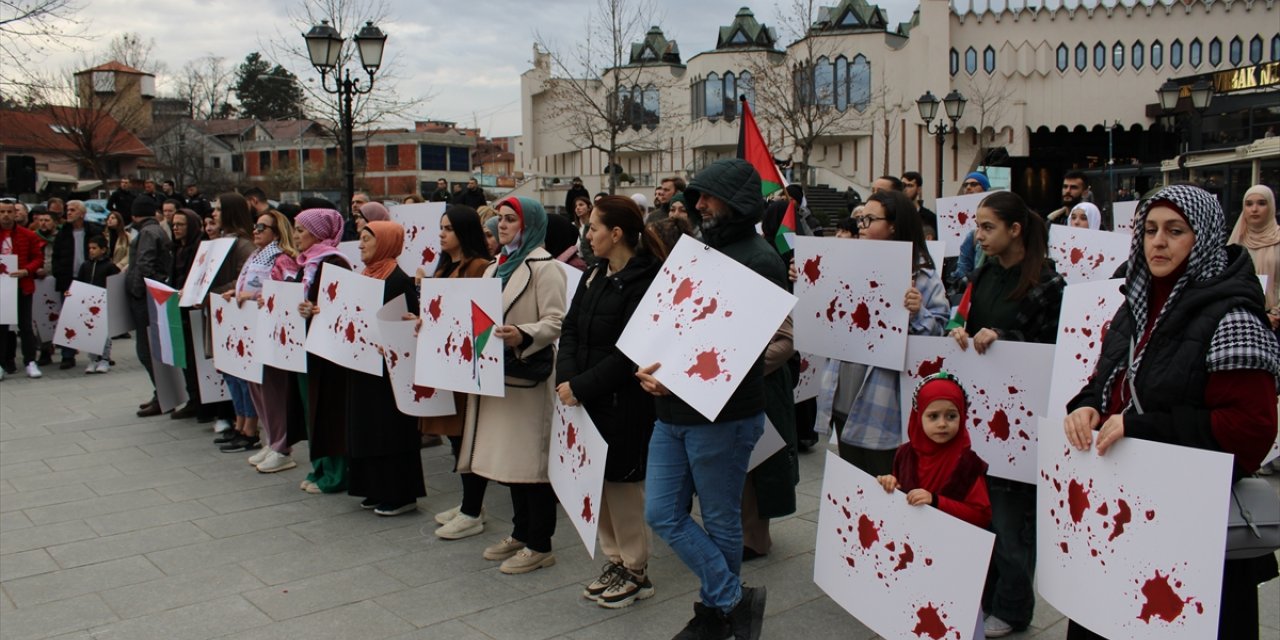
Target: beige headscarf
(1263, 242)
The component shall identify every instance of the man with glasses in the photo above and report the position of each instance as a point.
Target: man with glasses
(970, 255)
(22, 242)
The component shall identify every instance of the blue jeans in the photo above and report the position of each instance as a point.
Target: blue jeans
(710, 459)
(238, 389)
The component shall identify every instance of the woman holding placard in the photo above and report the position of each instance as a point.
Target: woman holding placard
(1188, 360)
(273, 235)
(235, 221)
(590, 370)
(1015, 295)
(507, 439)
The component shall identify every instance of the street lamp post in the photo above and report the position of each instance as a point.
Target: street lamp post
(1201, 94)
(954, 106)
(324, 46)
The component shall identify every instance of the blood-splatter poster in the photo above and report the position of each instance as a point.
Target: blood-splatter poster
(83, 323)
(1087, 310)
(400, 352)
(8, 290)
(957, 216)
(705, 320)
(809, 384)
(1130, 544)
(850, 299)
(456, 346)
(282, 331)
(1086, 255)
(904, 571)
(1122, 214)
(46, 306)
(351, 251)
(343, 330)
(421, 223)
(235, 338)
(1008, 388)
(119, 321)
(213, 387)
(209, 258)
(575, 465)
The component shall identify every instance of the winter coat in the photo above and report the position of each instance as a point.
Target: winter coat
(96, 272)
(601, 377)
(64, 252)
(29, 248)
(149, 257)
(508, 439)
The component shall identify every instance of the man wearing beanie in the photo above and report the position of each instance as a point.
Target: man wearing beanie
(687, 450)
(976, 182)
(149, 257)
(970, 255)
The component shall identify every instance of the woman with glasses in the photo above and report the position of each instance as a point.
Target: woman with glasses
(273, 235)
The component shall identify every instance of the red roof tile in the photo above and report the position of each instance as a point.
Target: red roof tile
(38, 130)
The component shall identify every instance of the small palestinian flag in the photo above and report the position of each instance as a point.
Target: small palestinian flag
(962, 311)
(481, 328)
(752, 148)
(787, 229)
(167, 324)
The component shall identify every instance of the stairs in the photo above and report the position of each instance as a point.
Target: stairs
(827, 203)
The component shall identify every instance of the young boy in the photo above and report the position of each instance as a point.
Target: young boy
(95, 271)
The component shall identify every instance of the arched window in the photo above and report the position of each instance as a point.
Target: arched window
(1082, 57)
(955, 62)
(1117, 56)
(1275, 48)
(989, 60)
(652, 107)
(1157, 55)
(860, 83)
(746, 88)
(730, 96)
(715, 96)
(842, 83)
(698, 99)
(1175, 54)
(1215, 52)
(1235, 53)
(1099, 56)
(823, 83)
(970, 61)
(1136, 59)
(1196, 54)
(1064, 56)
(1255, 50)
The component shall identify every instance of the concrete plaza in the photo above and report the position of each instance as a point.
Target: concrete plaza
(113, 526)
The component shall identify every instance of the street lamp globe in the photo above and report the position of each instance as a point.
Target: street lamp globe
(1201, 94)
(954, 104)
(370, 42)
(928, 106)
(1168, 93)
(324, 46)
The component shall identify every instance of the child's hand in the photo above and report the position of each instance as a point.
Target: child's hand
(307, 309)
(912, 300)
(919, 497)
(226, 296)
(888, 482)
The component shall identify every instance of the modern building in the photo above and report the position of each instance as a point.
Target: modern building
(1047, 89)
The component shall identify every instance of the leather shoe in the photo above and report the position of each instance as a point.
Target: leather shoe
(67, 364)
(152, 409)
(187, 411)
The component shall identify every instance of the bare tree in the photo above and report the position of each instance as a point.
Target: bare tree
(602, 99)
(29, 28)
(885, 111)
(205, 83)
(132, 50)
(99, 132)
(989, 98)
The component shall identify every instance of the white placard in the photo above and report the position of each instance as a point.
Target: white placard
(171, 387)
(1007, 387)
(282, 330)
(1087, 310)
(455, 315)
(850, 299)
(957, 216)
(213, 387)
(351, 250)
(83, 323)
(235, 338)
(572, 276)
(119, 320)
(343, 331)
(705, 319)
(400, 352)
(904, 571)
(8, 290)
(46, 306)
(1122, 214)
(1086, 255)
(1130, 544)
(575, 465)
(770, 442)
(938, 252)
(421, 222)
(204, 267)
(810, 383)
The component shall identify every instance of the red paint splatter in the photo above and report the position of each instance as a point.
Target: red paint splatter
(656, 317)
(705, 366)
(999, 425)
(1102, 510)
(69, 333)
(804, 365)
(422, 393)
(848, 560)
(240, 348)
(929, 623)
(874, 284)
(1078, 498)
(586, 509)
(271, 304)
(847, 514)
(930, 367)
(283, 337)
(905, 558)
(332, 291)
(448, 344)
(428, 256)
(862, 317)
(1151, 514)
(95, 310)
(831, 311)
(350, 332)
(4, 268)
(1123, 517)
(571, 436)
(217, 315)
(1063, 546)
(1076, 255)
(433, 308)
(868, 534)
(812, 269)
(706, 311)
(466, 348)
(683, 292)
(963, 217)
(1013, 390)
(1162, 601)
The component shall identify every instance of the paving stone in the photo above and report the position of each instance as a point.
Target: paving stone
(70, 583)
(44, 536)
(441, 560)
(56, 618)
(181, 590)
(226, 551)
(96, 506)
(242, 500)
(358, 522)
(527, 620)
(321, 592)
(28, 468)
(155, 516)
(126, 484)
(27, 563)
(19, 500)
(454, 598)
(233, 524)
(311, 560)
(63, 478)
(452, 629)
(127, 544)
(193, 622)
(364, 620)
(97, 459)
(14, 520)
(199, 487)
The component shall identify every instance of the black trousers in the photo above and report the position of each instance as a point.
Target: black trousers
(535, 515)
(141, 324)
(26, 333)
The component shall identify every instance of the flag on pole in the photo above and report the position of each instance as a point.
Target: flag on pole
(752, 148)
(481, 329)
(169, 346)
(962, 310)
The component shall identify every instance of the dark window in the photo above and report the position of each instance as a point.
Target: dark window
(1175, 54)
(1255, 50)
(237, 163)
(1117, 56)
(714, 96)
(824, 82)
(217, 162)
(1196, 55)
(955, 62)
(1082, 57)
(361, 155)
(459, 159)
(1235, 53)
(306, 155)
(1157, 55)
(1138, 54)
(989, 60)
(1215, 52)
(1099, 56)
(264, 160)
(650, 99)
(970, 61)
(393, 155)
(1064, 57)
(434, 157)
(1275, 48)
(330, 155)
(746, 88)
(282, 157)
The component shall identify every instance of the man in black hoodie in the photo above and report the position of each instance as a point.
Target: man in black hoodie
(687, 450)
(150, 256)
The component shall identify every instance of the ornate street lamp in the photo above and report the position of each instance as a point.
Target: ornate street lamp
(953, 105)
(1201, 94)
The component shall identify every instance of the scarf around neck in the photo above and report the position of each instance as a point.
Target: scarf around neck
(533, 233)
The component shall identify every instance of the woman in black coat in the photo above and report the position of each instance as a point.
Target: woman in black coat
(591, 371)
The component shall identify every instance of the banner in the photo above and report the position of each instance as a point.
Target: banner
(204, 267)
(456, 347)
(283, 331)
(235, 338)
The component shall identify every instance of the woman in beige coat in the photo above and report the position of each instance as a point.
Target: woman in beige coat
(508, 439)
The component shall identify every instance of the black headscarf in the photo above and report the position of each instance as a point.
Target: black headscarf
(466, 226)
(561, 234)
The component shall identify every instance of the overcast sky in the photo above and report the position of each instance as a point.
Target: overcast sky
(468, 55)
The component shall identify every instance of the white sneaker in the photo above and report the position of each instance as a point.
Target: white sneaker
(221, 426)
(33, 371)
(257, 458)
(461, 526)
(994, 627)
(445, 516)
(104, 366)
(276, 461)
(92, 368)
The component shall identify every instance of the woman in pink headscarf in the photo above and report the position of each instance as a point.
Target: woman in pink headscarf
(324, 385)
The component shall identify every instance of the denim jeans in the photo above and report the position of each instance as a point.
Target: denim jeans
(1010, 594)
(238, 389)
(711, 460)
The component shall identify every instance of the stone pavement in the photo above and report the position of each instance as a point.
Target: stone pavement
(117, 527)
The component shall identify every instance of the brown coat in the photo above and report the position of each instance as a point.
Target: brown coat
(508, 439)
(452, 425)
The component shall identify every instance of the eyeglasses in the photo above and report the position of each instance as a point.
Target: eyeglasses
(972, 183)
(866, 221)
(259, 228)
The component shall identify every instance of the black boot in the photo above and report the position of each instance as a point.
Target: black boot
(707, 624)
(747, 617)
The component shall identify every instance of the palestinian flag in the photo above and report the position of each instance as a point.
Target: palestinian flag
(751, 147)
(168, 345)
(481, 328)
(787, 229)
(962, 310)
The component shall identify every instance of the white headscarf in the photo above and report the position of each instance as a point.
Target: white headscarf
(1091, 212)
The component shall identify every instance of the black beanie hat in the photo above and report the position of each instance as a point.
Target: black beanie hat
(143, 207)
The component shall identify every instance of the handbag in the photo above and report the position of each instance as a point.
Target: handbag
(535, 368)
(1253, 519)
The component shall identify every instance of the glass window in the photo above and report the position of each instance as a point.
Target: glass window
(434, 157)
(730, 96)
(264, 160)
(970, 61)
(361, 154)
(989, 60)
(635, 113)
(747, 89)
(237, 163)
(1157, 55)
(1235, 53)
(1082, 57)
(1275, 48)
(1137, 57)
(697, 96)
(652, 107)
(1215, 52)
(860, 83)
(842, 83)
(715, 96)
(393, 155)
(282, 156)
(1255, 50)
(1099, 56)
(459, 159)
(1196, 55)
(955, 62)
(1063, 57)
(1117, 56)
(824, 82)
(1175, 54)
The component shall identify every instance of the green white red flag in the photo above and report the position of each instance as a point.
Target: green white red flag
(169, 346)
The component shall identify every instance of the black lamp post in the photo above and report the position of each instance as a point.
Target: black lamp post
(324, 46)
(953, 104)
(1201, 94)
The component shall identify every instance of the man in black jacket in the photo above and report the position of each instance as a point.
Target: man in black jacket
(150, 255)
(576, 190)
(70, 250)
(122, 199)
(441, 194)
(472, 196)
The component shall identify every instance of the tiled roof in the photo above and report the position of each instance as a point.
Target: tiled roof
(41, 130)
(116, 65)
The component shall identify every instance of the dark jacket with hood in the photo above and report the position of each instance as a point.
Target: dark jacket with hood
(149, 255)
(736, 183)
(601, 376)
(64, 252)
